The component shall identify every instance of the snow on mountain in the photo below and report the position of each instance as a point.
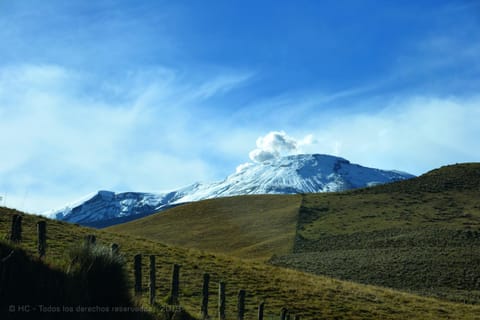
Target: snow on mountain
(285, 175)
(106, 205)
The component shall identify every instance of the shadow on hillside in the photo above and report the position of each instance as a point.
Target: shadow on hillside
(94, 288)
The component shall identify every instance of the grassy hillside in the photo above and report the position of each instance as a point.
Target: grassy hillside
(421, 235)
(313, 297)
(247, 227)
(459, 177)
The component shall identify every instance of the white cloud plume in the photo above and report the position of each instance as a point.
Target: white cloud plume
(276, 144)
(408, 133)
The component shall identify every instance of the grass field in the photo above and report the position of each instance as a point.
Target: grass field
(312, 297)
(420, 235)
(254, 227)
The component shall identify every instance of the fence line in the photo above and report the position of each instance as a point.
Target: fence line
(15, 236)
(173, 297)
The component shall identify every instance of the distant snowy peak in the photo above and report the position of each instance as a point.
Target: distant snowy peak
(108, 205)
(295, 174)
(286, 175)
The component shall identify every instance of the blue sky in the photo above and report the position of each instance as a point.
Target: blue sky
(153, 95)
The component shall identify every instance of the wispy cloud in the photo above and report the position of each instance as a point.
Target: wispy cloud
(414, 134)
(58, 141)
(221, 84)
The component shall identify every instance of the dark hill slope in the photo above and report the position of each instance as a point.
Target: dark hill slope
(457, 177)
(421, 235)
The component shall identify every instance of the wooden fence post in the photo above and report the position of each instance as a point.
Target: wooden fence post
(206, 282)
(90, 239)
(114, 248)
(16, 228)
(152, 279)
(241, 304)
(174, 289)
(221, 301)
(42, 238)
(12, 228)
(137, 269)
(261, 307)
(283, 314)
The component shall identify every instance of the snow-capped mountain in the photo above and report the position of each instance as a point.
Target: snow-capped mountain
(290, 174)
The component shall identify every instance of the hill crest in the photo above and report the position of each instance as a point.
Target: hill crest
(293, 174)
(458, 177)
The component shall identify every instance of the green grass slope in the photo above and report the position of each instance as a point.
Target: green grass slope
(255, 226)
(420, 235)
(312, 297)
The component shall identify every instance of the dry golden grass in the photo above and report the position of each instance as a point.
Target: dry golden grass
(312, 297)
(247, 227)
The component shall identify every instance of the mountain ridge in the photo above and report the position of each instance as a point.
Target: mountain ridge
(306, 173)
